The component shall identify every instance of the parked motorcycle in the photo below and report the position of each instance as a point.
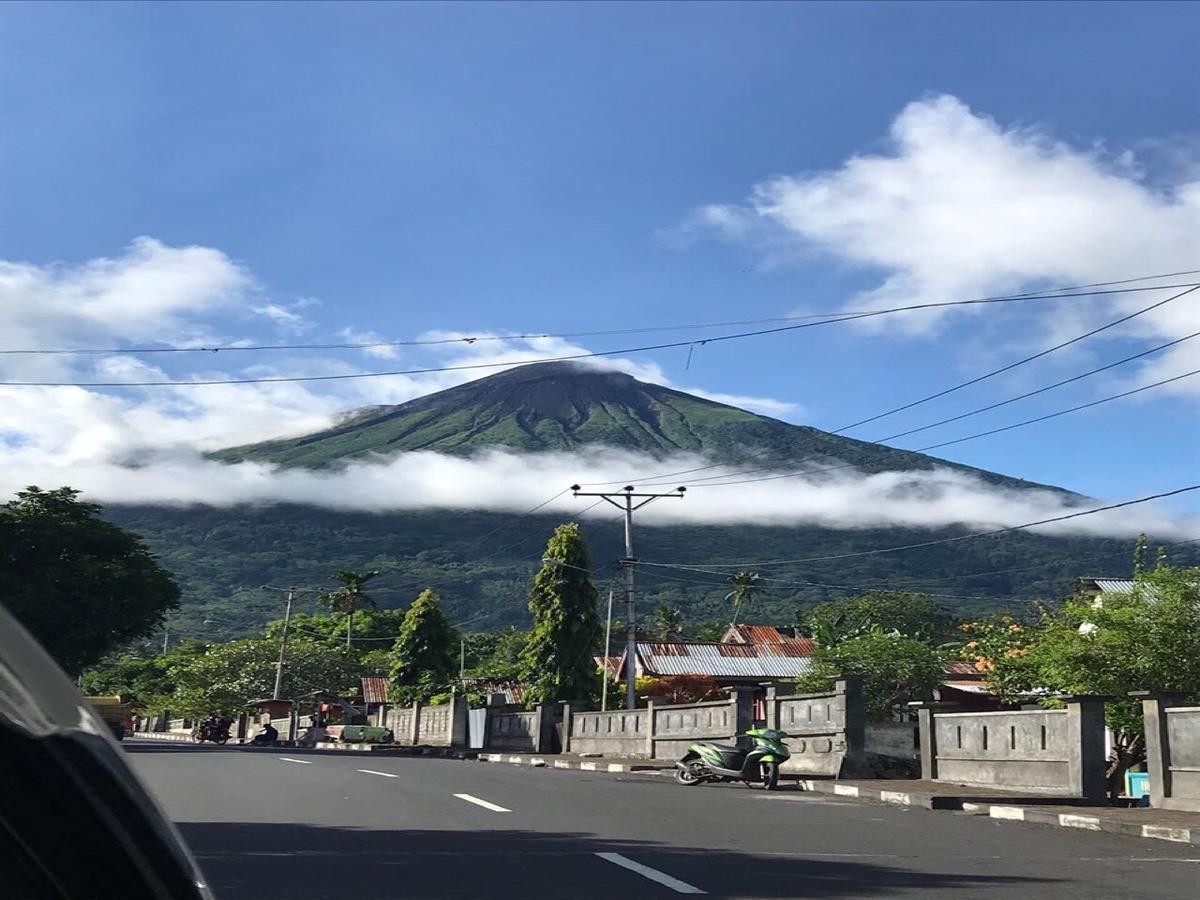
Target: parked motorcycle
(207, 731)
(757, 766)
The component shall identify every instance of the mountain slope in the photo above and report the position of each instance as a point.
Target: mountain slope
(563, 406)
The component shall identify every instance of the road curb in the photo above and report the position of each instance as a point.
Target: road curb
(586, 765)
(385, 750)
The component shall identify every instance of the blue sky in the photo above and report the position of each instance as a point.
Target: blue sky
(392, 170)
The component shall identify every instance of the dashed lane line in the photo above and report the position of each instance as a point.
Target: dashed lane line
(484, 803)
(303, 762)
(373, 772)
(679, 887)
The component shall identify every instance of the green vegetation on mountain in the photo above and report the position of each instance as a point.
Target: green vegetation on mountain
(565, 406)
(480, 563)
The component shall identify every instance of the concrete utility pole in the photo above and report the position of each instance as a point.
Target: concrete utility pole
(287, 621)
(626, 505)
(607, 651)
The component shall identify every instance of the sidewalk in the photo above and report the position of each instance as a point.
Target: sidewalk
(1061, 812)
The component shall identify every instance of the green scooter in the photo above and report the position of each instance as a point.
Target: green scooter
(757, 766)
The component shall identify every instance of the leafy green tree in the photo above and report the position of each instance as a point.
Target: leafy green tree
(424, 658)
(709, 631)
(496, 655)
(83, 586)
(146, 681)
(745, 589)
(228, 676)
(351, 595)
(664, 623)
(906, 613)
(374, 629)
(1145, 640)
(895, 670)
(557, 663)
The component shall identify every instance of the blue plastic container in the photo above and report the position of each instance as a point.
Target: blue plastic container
(1137, 784)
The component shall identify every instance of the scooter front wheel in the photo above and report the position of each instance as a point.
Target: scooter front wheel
(768, 776)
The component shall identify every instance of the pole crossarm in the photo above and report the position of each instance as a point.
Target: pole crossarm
(624, 501)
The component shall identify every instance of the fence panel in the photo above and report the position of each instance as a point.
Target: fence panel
(616, 733)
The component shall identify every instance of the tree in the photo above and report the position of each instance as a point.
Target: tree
(82, 586)
(424, 657)
(557, 662)
(909, 614)
(664, 623)
(895, 670)
(349, 596)
(374, 629)
(228, 676)
(745, 588)
(1148, 639)
(144, 680)
(495, 655)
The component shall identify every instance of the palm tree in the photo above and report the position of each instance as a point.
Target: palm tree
(665, 623)
(349, 596)
(745, 586)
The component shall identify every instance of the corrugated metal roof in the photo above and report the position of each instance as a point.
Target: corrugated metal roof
(1114, 586)
(374, 689)
(770, 635)
(961, 667)
(720, 660)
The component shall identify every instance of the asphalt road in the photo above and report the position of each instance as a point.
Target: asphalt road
(301, 825)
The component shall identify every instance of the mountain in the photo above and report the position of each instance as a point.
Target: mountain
(481, 562)
(565, 406)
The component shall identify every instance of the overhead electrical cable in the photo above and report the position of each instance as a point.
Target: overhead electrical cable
(1048, 294)
(287, 379)
(1006, 368)
(933, 543)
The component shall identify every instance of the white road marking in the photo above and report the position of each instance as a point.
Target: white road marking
(303, 762)
(679, 887)
(373, 772)
(484, 803)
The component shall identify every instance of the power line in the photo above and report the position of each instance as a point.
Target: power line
(1006, 368)
(287, 379)
(969, 437)
(949, 540)
(1049, 294)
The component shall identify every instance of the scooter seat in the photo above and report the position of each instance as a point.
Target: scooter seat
(726, 748)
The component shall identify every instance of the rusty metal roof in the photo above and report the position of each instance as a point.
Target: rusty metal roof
(374, 689)
(719, 660)
(770, 635)
(961, 667)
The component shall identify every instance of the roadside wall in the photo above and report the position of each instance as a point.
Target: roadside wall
(1172, 750)
(443, 725)
(615, 733)
(1048, 751)
(826, 731)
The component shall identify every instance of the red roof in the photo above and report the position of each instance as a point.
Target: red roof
(374, 689)
(961, 667)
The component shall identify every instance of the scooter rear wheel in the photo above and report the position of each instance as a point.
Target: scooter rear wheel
(688, 777)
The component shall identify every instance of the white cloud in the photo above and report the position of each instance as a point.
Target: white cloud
(507, 481)
(960, 206)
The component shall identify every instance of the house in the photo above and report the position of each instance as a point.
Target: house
(727, 663)
(785, 637)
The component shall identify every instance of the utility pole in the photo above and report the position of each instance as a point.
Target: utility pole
(290, 592)
(607, 651)
(626, 504)
(166, 637)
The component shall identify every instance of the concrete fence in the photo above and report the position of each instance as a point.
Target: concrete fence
(533, 731)
(1172, 750)
(826, 731)
(1050, 751)
(444, 725)
(615, 733)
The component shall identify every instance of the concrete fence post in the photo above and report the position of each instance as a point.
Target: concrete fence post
(415, 733)
(927, 734)
(854, 710)
(772, 708)
(650, 729)
(459, 720)
(543, 728)
(1158, 747)
(1086, 762)
(741, 699)
(566, 726)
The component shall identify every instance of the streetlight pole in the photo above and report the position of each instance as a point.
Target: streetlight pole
(628, 507)
(607, 651)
